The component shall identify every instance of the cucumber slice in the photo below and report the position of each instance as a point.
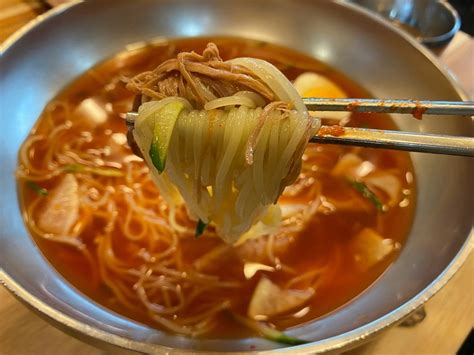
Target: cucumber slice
(200, 228)
(165, 119)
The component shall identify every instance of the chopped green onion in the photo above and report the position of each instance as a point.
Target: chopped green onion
(367, 193)
(200, 227)
(101, 171)
(269, 332)
(41, 191)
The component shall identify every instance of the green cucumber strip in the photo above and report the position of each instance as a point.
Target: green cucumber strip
(268, 332)
(155, 157)
(40, 191)
(367, 193)
(282, 338)
(164, 122)
(200, 227)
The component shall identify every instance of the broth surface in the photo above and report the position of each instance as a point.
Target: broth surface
(326, 239)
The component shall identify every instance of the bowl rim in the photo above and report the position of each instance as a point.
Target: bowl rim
(437, 40)
(433, 40)
(365, 332)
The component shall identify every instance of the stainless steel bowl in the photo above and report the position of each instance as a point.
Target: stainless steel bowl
(43, 57)
(432, 22)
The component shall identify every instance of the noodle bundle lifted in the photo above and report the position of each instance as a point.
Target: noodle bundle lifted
(224, 136)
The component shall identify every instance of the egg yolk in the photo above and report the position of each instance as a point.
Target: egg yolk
(316, 85)
(329, 91)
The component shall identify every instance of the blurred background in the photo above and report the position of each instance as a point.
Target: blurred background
(28, 9)
(466, 11)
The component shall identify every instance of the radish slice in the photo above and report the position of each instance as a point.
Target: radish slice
(62, 207)
(269, 300)
(370, 248)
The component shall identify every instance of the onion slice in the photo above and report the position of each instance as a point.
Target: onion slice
(256, 98)
(229, 101)
(275, 79)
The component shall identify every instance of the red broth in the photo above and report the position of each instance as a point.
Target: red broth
(325, 240)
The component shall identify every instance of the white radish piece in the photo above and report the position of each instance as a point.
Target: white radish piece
(370, 248)
(269, 300)
(387, 183)
(61, 209)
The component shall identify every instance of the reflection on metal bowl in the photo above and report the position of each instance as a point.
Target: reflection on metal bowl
(41, 59)
(432, 22)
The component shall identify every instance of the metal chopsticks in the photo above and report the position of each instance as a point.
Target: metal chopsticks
(399, 140)
(414, 107)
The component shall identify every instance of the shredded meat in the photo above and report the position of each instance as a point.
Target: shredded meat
(199, 78)
(203, 78)
(252, 142)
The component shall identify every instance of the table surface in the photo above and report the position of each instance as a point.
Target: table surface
(450, 313)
